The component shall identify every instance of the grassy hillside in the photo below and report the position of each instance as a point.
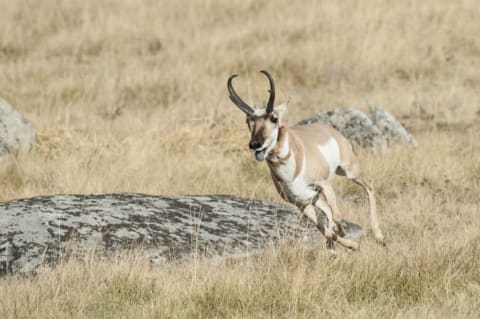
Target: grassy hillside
(131, 96)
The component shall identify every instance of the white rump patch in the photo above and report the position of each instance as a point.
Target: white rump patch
(331, 152)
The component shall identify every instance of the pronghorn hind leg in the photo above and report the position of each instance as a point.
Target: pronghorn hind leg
(367, 185)
(354, 173)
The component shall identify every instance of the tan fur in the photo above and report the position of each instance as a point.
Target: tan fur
(314, 135)
(278, 185)
(303, 160)
(303, 144)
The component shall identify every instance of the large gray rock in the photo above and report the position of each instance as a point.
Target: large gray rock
(41, 230)
(16, 133)
(381, 129)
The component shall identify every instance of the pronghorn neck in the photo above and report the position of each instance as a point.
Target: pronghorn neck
(286, 159)
(281, 151)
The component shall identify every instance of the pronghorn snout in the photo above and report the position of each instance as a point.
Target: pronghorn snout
(254, 144)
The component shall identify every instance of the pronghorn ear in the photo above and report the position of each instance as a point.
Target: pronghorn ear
(281, 110)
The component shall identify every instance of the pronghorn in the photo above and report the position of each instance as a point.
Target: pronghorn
(303, 161)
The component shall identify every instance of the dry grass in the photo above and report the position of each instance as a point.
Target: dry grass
(130, 96)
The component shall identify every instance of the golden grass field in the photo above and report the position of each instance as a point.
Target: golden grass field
(130, 96)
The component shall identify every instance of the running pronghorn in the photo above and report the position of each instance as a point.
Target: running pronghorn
(303, 161)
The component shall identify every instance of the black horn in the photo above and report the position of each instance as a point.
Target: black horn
(236, 99)
(271, 100)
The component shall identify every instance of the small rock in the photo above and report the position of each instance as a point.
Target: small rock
(16, 133)
(390, 129)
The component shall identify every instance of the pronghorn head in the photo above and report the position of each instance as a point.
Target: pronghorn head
(264, 123)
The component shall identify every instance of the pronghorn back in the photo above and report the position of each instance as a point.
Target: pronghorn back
(325, 149)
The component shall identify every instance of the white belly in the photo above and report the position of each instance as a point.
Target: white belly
(295, 189)
(298, 191)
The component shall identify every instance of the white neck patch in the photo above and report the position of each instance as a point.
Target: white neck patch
(285, 148)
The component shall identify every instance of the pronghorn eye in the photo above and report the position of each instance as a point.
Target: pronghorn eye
(274, 119)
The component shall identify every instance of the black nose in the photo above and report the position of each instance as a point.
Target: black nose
(254, 145)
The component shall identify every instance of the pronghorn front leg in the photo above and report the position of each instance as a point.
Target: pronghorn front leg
(327, 230)
(327, 190)
(311, 214)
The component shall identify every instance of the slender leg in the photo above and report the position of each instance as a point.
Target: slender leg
(354, 173)
(367, 185)
(329, 231)
(323, 207)
(311, 214)
(332, 202)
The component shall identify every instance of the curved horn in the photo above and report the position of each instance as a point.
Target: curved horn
(271, 100)
(236, 99)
